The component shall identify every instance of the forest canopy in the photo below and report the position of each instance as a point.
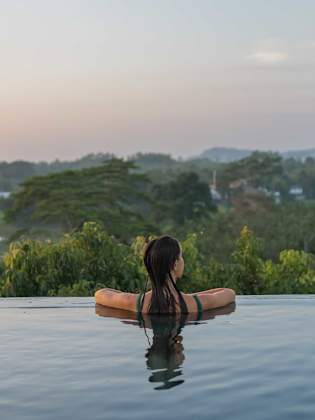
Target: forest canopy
(202, 203)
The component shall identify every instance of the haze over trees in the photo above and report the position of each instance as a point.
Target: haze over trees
(110, 194)
(156, 164)
(124, 201)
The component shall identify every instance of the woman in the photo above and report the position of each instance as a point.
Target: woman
(165, 265)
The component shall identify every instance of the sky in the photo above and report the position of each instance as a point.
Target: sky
(167, 76)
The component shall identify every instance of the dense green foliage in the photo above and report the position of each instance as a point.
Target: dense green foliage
(262, 170)
(109, 194)
(114, 194)
(43, 223)
(75, 265)
(184, 198)
(88, 259)
(12, 174)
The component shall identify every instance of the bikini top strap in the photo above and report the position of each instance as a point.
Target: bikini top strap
(139, 300)
(199, 306)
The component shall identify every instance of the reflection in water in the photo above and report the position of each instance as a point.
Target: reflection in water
(165, 354)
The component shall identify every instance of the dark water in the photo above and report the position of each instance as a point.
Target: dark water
(63, 358)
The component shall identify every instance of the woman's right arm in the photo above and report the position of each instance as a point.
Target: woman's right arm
(116, 299)
(216, 298)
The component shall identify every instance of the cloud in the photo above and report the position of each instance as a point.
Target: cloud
(268, 58)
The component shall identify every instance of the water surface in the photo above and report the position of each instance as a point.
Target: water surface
(64, 358)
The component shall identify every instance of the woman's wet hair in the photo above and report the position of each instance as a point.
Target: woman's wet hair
(160, 257)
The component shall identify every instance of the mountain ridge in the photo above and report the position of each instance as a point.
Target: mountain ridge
(230, 154)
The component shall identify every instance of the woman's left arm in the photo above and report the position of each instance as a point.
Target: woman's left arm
(217, 299)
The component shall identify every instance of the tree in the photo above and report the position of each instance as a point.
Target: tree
(110, 194)
(184, 198)
(247, 264)
(11, 174)
(260, 169)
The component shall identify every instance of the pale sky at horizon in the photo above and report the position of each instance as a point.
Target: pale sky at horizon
(169, 76)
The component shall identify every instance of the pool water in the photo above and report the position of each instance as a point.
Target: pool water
(64, 358)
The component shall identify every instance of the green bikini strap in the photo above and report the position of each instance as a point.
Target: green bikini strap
(199, 306)
(139, 302)
(138, 313)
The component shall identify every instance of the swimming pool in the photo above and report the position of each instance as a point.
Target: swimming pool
(64, 358)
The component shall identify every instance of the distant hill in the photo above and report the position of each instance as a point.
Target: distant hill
(299, 154)
(225, 154)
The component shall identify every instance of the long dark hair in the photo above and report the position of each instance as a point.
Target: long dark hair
(159, 258)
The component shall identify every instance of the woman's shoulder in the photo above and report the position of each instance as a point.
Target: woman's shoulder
(191, 302)
(212, 298)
